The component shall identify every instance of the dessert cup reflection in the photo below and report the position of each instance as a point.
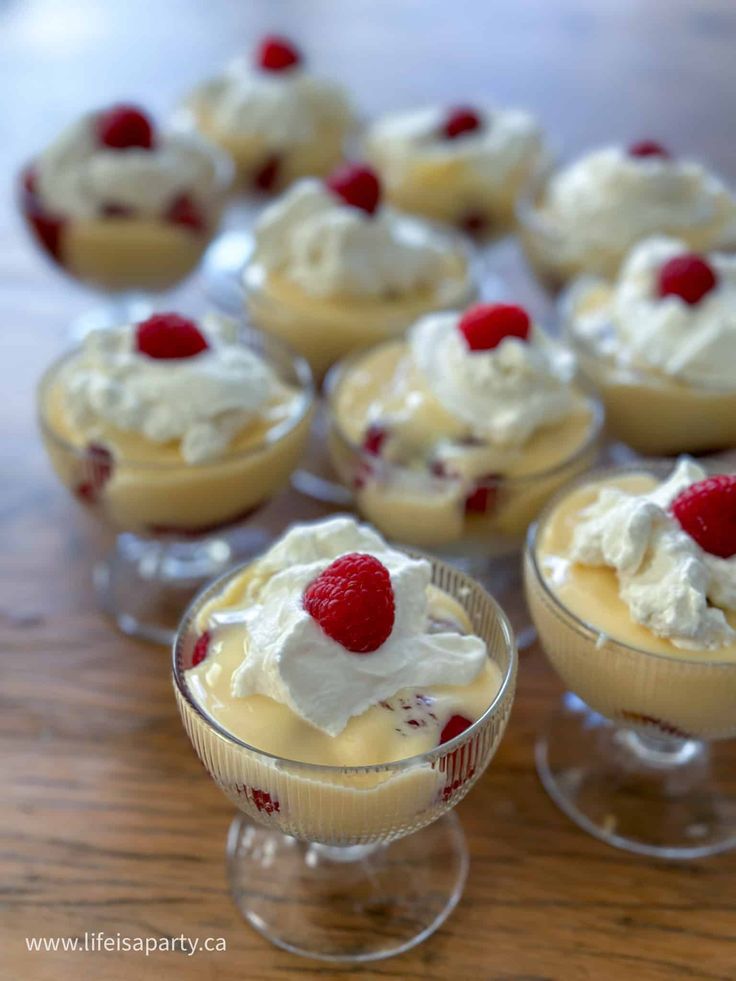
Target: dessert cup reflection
(637, 615)
(173, 434)
(345, 740)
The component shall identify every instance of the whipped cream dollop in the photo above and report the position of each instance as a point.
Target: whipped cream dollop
(504, 394)
(609, 199)
(202, 401)
(78, 176)
(329, 248)
(282, 109)
(692, 343)
(289, 658)
(669, 583)
(508, 139)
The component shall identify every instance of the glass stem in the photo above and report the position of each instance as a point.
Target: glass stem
(175, 560)
(342, 854)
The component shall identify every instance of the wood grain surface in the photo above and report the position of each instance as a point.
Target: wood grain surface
(107, 821)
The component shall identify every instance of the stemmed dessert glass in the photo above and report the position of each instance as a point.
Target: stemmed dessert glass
(178, 525)
(350, 863)
(126, 259)
(489, 544)
(636, 753)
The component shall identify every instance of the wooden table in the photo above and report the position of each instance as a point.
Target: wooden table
(107, 821)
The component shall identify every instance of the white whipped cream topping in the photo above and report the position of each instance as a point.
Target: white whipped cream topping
(505, 394)
(329, 248)
(289, 658)
(283, 109)
(202, 401)
(77, 176)
(694, 344)
(508, 139)
(670, 585)
(609, 200)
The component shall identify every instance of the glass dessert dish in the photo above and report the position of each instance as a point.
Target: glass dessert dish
(584, 218)
(180, 519)
(124, 209)
(429, 474)
(278, 122)
(660, 355)
(463, 166)
(349, 863)
(637, 753)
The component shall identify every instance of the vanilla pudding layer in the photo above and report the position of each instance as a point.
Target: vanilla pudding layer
(118, 254)
(411, 505)
(652, 412)
(324, 329)
(322, 799)
(152, 488)
(617, 666)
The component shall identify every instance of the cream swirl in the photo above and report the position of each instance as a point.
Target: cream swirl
(507, 140)
(608, 200)
(290, 659)
(329, 248)
(282, 109)
(201, 401)
(694, 343)
(670, 585)
(78, 176)
(504, 394)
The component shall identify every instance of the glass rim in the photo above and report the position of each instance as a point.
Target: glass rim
(586, 349)
(337, 373)
(431, 755)
(247, 336)
(652, 467)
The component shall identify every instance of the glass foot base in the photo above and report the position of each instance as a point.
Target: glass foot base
(661, 796)
(145, 585)
(222, 269)
(120, 310)
(348, 904)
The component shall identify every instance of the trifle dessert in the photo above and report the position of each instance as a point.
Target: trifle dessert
(122, 204)
(659, 344)
(275, 118)
(174, 428)
(342, 692)
(631, 581)
(455, 437)
(589, 214)
(335, 269)
(463, 164)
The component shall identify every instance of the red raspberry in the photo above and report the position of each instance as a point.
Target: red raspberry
(277, 54)
(265, 178)
(688, 276)
(264, 802)
(649, 148)
(357, 186)
(707, 512)
(485, 325)
(375, 437)
(460, 120)
(483, 497)
(453, 727)
(123, 126)
(474, 223)
(167, 336)
(201, 649)
(183, 211)
(98, 464)
(353, 602)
